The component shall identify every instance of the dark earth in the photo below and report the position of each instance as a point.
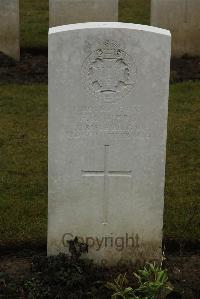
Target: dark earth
(33, 68)
(183, 272)
(182, 262)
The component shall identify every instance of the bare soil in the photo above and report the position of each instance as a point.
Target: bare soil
(184, 272)
(185, 69)
(33, 68)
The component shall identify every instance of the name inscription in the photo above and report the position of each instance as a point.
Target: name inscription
(99, 122)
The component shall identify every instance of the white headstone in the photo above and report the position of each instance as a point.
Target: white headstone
(62, 12)
(108, 103)
(9, 28)
(182, 18)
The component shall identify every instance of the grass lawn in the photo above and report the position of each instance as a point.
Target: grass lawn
(182, 192)
(23, 171)
(134, 11)
(34, 23)
(34, 16)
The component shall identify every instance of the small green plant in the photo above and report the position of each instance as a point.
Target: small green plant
(152, 283)
(120, 287)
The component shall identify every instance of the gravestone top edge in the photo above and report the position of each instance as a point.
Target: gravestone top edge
(109, 25)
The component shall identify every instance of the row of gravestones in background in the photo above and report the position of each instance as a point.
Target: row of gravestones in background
(181, 17)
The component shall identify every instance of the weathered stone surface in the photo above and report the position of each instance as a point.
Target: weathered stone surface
(62, 12)
(108, 102)
(9, 28)
(182, 18)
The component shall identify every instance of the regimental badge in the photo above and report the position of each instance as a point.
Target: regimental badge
(109, 72)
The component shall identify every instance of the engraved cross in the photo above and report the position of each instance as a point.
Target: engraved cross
(106, 174)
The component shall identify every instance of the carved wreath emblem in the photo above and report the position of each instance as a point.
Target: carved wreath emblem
(109, 72)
